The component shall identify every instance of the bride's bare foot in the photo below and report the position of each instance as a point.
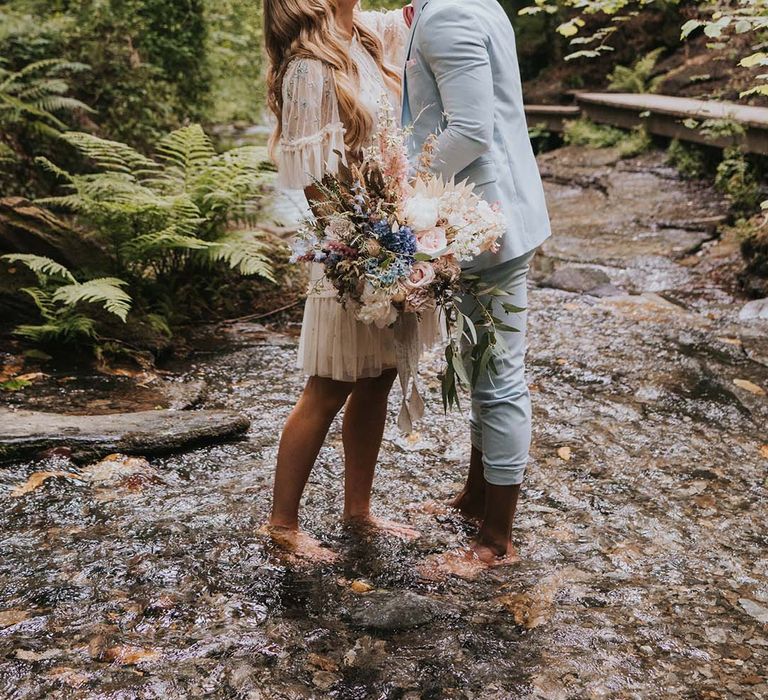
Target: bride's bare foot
(465, 563)
(371, 523)
(299, 544)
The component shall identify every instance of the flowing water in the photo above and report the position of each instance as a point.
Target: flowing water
(642, 528)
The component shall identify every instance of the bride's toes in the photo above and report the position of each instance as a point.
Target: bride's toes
(298, 544)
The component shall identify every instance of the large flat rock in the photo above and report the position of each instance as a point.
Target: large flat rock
(28, 433)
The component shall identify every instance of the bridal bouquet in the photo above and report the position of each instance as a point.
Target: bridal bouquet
(392, 247)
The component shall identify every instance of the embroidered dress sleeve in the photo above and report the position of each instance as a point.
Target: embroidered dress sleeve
(312, 128)
(391, 28)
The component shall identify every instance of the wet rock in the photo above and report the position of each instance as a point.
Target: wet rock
(755, 344)
(756, 310)
(182, 396)
(389, 611)
(581, 279)
(27, 433)
(753, 609)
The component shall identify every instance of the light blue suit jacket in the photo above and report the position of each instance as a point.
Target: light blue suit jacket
(462, 82)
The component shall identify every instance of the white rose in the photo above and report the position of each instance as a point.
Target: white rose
(422, 212)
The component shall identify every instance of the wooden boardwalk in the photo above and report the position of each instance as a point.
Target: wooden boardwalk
(664, 115)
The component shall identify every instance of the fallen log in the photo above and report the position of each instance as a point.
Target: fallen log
(29, 434)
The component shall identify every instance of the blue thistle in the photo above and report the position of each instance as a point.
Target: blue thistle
(402, 241)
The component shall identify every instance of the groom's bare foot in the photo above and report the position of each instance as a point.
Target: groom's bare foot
(466, 507)
(472, 507)
(467, 563)
(299, 544)
(370, 523)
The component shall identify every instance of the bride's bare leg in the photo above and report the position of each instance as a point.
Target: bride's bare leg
(303, 436)
(363, 430)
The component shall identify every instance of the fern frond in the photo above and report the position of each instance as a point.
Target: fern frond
(42, 300)
(40, 265)
(111, 156)
(61, 103)
(183, 152)
(244, 251)
(47, 64)
(42, 88)
(149, 244)
(11, 102)
(66, 329)
(106, 291)
(186, 146)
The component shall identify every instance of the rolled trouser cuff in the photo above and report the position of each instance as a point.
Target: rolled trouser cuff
(505, 476)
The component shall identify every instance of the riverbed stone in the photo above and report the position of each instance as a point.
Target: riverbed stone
(26, 434)
(584, 280)
(390, 611)
(756, 310)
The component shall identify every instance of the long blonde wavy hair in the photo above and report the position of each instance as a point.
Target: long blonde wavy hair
(308, 29)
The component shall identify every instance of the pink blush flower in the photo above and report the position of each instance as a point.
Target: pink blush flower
(431, 241)
(422, 275)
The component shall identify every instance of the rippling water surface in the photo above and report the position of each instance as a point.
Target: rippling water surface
(644, 568)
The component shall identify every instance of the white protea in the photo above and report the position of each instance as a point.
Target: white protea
(472, 225)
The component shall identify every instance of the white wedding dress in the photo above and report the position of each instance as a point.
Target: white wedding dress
(333, 342)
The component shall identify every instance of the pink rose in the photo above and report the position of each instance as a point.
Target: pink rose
(422, 275)
(431, 241)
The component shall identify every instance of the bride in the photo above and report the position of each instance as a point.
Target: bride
(331, 67)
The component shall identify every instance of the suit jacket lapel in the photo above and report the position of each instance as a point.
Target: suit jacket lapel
(417, 17)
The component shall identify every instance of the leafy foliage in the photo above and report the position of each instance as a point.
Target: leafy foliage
(162, 221)
(638, 77)
(591, 25)
(149, 68)
(234, 51)
(735, 177)
(60, 300)
(688, 159)
(34, 102)
(583, 132)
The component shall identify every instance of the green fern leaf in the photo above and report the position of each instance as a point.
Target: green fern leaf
(150, 244)
(40, 265)
(67, 329)
(42, 301)
(106, 291)
(186, 148)
(244, 251)
(111, 156)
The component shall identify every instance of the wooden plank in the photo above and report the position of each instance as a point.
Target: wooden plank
(664, 115)
(551, 117)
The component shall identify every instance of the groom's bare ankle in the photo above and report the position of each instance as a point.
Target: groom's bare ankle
(497, 541)
(471, 505)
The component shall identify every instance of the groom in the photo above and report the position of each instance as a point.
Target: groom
(462, 83)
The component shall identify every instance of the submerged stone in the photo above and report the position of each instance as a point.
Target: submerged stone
(756, 310)
(391, 610)
(28, 433)
(581, 279)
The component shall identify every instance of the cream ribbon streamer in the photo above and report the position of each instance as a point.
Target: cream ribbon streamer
(407, 353)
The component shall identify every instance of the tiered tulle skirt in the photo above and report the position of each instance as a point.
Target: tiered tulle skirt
(336, 345)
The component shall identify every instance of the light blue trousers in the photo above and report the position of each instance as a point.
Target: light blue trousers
(501, 404)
